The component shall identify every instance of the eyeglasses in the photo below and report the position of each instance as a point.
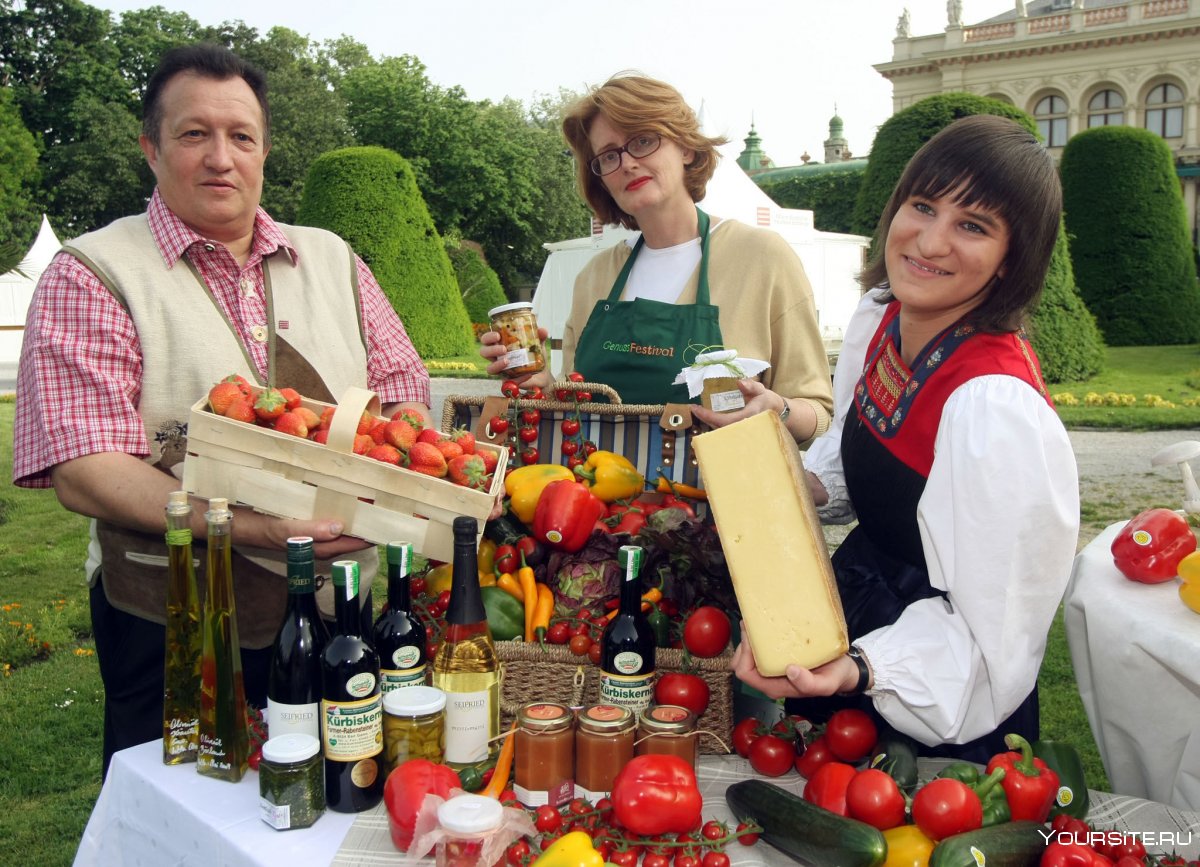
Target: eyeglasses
(641, 145)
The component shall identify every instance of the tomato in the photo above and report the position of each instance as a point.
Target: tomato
(547, 819)
(771, 756)
(531, 549)
(850, 733)
(443, 600)
(518, 853)
(683, 859)
(534, 393)
(814, 756)
(570, 426)
(528, 433)
(749, 838)
(686, 690)
(575, 376)
(529, 456)
(713, 830)
(624, 858)
(580, 644)
(417, 586)
(506, 560)
(827, 787)
(745, 733)
(595, 652)
(530, 416)
(510, 388)
(654, 859)
(255, 758)
(558, 633)
(714, 859)
(873, 797)
(944, 807)
(499, 424)
(706, 632)
(569, 447)
(631, 522)
(1130, 861)
(1128, 847)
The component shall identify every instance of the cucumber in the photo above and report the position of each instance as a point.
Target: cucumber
(1010, 844)
(896, 755)
(804, 831)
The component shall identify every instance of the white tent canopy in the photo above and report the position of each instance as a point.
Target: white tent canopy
(16, 291)
(832, 261)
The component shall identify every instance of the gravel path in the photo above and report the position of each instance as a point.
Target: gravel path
(1116, 480)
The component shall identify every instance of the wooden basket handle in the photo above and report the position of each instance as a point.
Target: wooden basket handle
(344, 426)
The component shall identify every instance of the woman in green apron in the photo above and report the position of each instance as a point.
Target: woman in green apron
(642, 310)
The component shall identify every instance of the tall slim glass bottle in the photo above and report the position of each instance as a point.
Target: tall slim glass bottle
(294, 680)
(224, 734)
(465, 666)
(184, 640)
(399, 635)
(351, 705)
(627, 645)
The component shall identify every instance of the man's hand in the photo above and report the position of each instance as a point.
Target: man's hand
(839, 675)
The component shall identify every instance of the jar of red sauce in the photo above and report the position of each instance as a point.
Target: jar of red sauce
(544, 764)
(667, 729)
(604, 735)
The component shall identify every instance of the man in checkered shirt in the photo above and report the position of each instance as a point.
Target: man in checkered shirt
(133, 323)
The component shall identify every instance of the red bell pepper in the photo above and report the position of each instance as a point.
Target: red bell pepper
(1059, 854)
(657, 794)
(1148, 549)
(406, 788)
(566, 514)
(1029, 784)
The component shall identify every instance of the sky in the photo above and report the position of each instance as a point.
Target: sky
(782, 64)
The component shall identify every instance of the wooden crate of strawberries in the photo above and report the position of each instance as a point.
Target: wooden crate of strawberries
(337, 471)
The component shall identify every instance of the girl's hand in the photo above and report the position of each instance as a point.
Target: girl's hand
(493, 351)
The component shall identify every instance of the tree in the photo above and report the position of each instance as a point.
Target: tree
(477, 283)
(828, 191)
(1129, 237)
(369, 196)
(19, 210)
(1061, 329)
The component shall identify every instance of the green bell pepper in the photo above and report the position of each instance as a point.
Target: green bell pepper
(1072, 796)
(505, 615)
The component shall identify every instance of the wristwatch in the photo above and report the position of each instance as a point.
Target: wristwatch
(864, 672)
(786, 411)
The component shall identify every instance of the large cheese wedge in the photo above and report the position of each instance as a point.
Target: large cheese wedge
(773, 543)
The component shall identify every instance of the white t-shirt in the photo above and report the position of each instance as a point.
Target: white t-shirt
(660, 275)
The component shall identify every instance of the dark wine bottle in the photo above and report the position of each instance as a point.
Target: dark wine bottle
(399, 635)
(627, 645)
(351, 705)
(294, 681)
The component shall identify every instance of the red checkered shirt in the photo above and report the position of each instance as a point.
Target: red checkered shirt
(79, 381)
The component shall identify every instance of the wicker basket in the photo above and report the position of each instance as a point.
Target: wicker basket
(552, 673)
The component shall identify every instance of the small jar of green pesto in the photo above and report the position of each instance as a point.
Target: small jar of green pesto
(291, 782)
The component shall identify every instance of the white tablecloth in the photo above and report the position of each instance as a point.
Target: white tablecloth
(1136, 652)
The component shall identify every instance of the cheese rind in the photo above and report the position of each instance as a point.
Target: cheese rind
(773, 544)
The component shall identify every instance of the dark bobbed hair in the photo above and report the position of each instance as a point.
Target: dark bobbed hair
(207, 60)
(633, 102)
(994, 163)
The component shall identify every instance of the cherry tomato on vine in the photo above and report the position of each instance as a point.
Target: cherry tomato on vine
(518, 853)
(714, 859)
(529, 455)
(417, 586)
(575, 376)
(583, 396)
(530, 416)
(748, 838)
(575, 461)
(443, 600)
(528, 434)
(683, 859)
(850, 733)
(595, 652)
(534, 393)
(569, 447)
(558, 633)
(570, 426)
(498, 424)
(745, 733)
(713, 830)
(589, 448)
(624, 857)
(510, 388)
(547, 819)
(654, 859)
(771, 756)
(255, 758)
(580, 644)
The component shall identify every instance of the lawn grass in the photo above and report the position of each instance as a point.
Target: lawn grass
(1147, 376)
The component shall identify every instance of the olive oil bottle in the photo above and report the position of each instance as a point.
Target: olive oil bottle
(627, 645)
(294, 679)
(351, 705)
(184, 639)
(399, 635)
(224, 734)
(465, 666)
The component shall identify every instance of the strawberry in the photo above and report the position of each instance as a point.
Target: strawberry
(401, 434)
(363, 444)
(386, 453)
(425, 458)
(468, 471)
(312, 421)
(464, 439)
(489, 458)
(377, 431)
(365, 423)
(291, 396)
(221, 395)
(247, 389)
(271, 404)
(430, 435)
(449, 449)
(411, 417)
(292, 423)
(326, 418)
(320, 436)
(241, 410)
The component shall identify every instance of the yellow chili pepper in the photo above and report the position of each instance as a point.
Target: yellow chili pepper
(529, 589)
(611, 476)
(907, 847)
(571, 850)
(524, 486)
(509, 584)
(666, 486)
(487, 579)
(542, 611)
(499, 781)
(487, 555)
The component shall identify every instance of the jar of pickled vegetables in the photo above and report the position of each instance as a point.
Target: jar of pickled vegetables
(518, 330)
(413, 725)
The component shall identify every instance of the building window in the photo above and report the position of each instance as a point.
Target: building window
(1164, 111)
(1106, 108)
(1051, 115)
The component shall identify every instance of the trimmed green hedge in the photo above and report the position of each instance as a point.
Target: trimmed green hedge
(829, 194)
(1063, 332)
(478, 284)
(1129, 236)
(369, 196)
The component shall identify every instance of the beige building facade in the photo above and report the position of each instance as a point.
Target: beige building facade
(1072, 64)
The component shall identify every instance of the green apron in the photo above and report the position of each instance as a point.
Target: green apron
(638, 346)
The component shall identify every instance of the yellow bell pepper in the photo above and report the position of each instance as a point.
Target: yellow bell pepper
(487, 555)
(525, 484)
(1189, 572)
(571, 850)
(611, 476)
(907, 846)
(438, 579)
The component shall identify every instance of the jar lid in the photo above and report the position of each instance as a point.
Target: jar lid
(414, 701)
(668, 719)
(607, 718)
(507, 308)
(544, 716)
(470, 814)
(289, 749)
